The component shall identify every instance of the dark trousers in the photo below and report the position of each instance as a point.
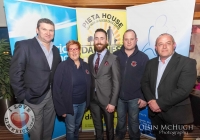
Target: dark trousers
(99, 111)
(166, 131)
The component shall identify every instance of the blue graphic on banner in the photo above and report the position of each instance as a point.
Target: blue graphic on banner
(22, 17)
(161, 26)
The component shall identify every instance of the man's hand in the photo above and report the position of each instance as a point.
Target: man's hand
(110, 108)
(64, 115)
(154, 106)
(142, 103)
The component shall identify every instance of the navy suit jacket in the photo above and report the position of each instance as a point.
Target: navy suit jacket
(30, 74)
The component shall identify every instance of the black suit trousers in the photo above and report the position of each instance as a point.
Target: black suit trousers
(164, 130)
(99, 111)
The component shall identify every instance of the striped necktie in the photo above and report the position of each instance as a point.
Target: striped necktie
(96, 66)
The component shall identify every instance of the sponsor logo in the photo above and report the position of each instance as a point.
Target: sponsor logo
(19, 119)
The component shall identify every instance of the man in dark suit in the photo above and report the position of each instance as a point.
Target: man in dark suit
(105, 71)
(31, 74)
(167, 83)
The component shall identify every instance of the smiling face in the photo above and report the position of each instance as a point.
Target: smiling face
(100, 41)
(165, 46)
(74, 52)
(129, 40)
(45, 32)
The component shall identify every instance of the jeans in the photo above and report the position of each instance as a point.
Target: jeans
(130, 107)
(73, 121)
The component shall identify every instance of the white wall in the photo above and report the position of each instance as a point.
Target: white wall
(2, 15)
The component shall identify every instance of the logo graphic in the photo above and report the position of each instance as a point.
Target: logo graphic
(87, 71)
(19, 119)
(133, 63)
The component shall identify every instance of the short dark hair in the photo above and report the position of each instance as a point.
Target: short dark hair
(72, 42)
(101, 30)
(130, 30)
(44, 20)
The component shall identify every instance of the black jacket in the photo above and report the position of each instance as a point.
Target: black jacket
(174, 88)
(63, 86)
(132, 69)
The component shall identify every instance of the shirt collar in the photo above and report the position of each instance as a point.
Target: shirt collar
(103, 52)
(51, 43)
(167, 60)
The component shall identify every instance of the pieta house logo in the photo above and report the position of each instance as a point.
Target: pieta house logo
(19, 119)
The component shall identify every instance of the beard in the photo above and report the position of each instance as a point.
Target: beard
(100, 48)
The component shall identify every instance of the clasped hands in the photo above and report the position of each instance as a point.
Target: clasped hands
(110, 108)
(154, 106)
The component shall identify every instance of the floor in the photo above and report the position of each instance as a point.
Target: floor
(7, 135)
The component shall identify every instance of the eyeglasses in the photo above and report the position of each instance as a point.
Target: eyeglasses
(73, 49)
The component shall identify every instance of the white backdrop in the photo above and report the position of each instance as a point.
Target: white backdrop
(150, 20)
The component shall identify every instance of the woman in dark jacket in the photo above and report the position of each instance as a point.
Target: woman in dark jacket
(71, 89)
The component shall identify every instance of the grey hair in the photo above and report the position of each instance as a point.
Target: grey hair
(164, 35)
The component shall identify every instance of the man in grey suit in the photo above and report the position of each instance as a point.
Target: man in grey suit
(167, 83)
(31, 74)
(105, 71)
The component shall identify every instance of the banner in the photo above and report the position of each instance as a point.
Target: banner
(22, 17)
(22, 23)
(114, 23)
(151, 20)
(87, 123)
